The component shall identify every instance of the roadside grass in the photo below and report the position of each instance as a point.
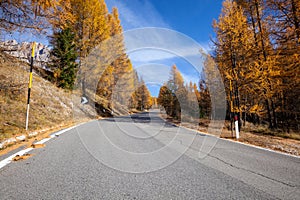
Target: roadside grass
(50, 106)
(257, 135)
(278, 133)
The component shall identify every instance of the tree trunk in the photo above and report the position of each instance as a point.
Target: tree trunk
(265, 59)
(274, 115)
(269, 114)
(296, 20)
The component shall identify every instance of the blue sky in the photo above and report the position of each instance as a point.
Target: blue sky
(193, 18)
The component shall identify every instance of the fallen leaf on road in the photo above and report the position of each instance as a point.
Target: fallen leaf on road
(36, 146)
(23, 157)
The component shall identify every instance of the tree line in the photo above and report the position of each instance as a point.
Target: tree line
(78, 29)
(257, 52)
(180, 99)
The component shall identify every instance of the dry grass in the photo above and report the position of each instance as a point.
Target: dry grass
(252, 134)
(50, 107)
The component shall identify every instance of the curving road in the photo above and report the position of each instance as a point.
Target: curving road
(143, 157)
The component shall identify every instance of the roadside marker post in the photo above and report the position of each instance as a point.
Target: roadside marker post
(30, 84)
(236, 125)
(233, 112)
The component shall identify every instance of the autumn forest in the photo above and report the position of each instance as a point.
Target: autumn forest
(256, 49)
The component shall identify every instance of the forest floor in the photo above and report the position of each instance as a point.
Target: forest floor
(251, 134)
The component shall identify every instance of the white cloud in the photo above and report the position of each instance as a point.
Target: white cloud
(154, 73)
(150, 49)
(141, 13)
(150, 55)
(156, 44)
(158, 74)
(137, 13)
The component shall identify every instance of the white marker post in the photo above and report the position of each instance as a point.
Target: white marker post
(236, 125)
(29, 85)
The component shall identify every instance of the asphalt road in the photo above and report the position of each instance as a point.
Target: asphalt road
(143, 157)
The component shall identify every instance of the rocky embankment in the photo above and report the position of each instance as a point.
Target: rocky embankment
(23, 50)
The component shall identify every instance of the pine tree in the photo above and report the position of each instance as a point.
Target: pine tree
(65, 56)
(104, 88)
(142, 97)
(203, 99)
(266, 64)
(176, 80)
(124, 77)
(173, 95)
(176, 85)
(285, 33)
(90, 24)
(165, 99)
(233, 53)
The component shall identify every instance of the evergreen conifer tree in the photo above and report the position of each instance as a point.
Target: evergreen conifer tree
(65, 56)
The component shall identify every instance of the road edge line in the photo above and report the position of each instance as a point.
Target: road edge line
(238, 142)
(245, 144)
(8, 160)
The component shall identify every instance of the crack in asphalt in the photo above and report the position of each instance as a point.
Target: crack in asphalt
(253, 172)
(139, 119)
(244, 169)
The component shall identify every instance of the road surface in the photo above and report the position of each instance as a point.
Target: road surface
(143, 157)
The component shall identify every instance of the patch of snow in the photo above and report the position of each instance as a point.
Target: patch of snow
(32, 134)
(21, 137)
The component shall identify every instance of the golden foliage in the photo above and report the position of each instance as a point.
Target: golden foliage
(257, 48)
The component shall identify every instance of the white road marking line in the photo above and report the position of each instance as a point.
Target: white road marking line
(8, 160)
(43, 141)
(245, 144)
(262, 148)
(64, 130)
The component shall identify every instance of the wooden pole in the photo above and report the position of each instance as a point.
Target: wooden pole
(30, 84)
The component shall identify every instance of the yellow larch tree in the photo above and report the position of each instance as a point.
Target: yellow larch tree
(233, 54)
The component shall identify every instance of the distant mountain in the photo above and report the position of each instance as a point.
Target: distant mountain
(23, 50)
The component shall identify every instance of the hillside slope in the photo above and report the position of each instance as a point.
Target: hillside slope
(49, 107)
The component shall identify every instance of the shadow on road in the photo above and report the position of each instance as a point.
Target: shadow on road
(143, 117)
